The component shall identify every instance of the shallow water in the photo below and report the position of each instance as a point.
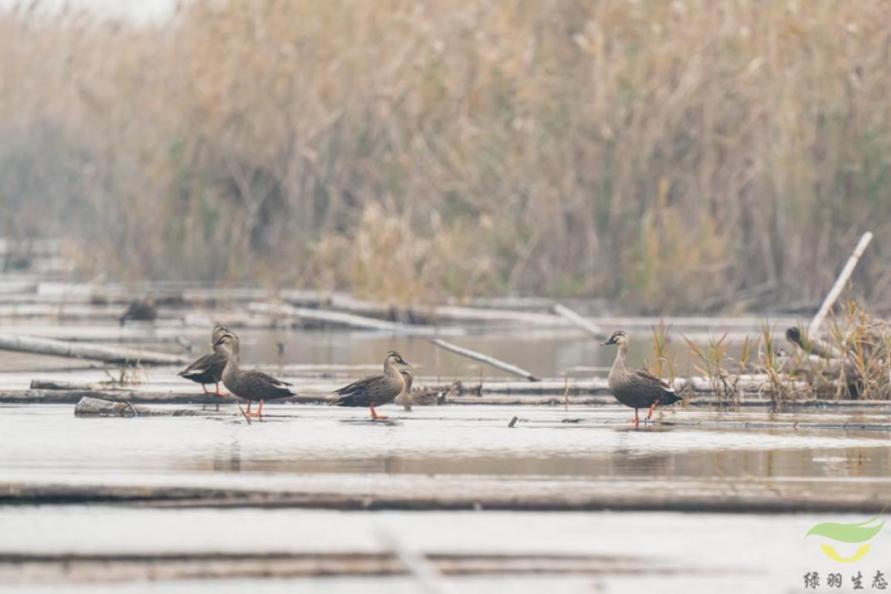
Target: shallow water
(295, 439)
(453, 449)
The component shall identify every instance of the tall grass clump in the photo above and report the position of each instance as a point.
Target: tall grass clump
(662, 152)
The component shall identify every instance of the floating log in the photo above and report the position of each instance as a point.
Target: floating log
(456, 313)
(839, 285)
(41, 384)
(104, 568)
(699, 496)
(96, 407)
(497, 363)
(338, 318)
(576, 319)
(59, 348)
(138, 396)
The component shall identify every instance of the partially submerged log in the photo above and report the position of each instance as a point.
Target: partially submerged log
(577, 320)
(454, 313)
(840, 283)
(59, 348)
(752, 496)
(107, 568)
(342, 319)
(497, 363)
(138, 396)
(96, 407)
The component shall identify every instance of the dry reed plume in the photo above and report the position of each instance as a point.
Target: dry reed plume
(668, 153)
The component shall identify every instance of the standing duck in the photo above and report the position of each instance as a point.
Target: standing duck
(637, 388)
(141, 310)
(405, 397)
(376, 390)
(209, 368)
(253, 385)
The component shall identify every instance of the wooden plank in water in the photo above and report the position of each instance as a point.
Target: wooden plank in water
(755, 496)
(349, 320)
(60, 348)
(22, 568)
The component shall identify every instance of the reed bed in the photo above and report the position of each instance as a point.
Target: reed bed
(672, 154)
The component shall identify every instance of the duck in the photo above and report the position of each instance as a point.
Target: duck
(376, 390)
(209, 368)
(637, 388)
(250, 385)
(141, 310)
(405, 398)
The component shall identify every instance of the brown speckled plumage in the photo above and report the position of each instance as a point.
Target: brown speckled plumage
(252, 385)
(376, 390)
(209, 368)
(637, 388)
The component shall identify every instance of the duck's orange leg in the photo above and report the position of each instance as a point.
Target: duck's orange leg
(636, 419)
(374, 415)
(217, 390)
(260, 411)
(204, 388)
(652, 408)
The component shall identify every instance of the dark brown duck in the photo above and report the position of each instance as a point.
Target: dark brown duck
(141, 310)
(253, 385)
(209, 368)
(637, 388)
(376, 390)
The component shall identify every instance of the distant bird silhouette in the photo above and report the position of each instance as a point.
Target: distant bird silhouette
(637, 388)
(141, 310)
(376, 390)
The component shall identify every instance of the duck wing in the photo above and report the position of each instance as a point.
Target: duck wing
(208, 364)
(643, 376)
(256, 385)
(264, 378)
(359, 393)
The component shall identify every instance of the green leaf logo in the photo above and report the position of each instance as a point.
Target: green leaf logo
(847, 533)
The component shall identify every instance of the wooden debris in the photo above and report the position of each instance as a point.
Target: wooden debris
(700, 496)
(497, 363)
(136, 396)
(96, 407)
(47, 570)
(41, 384)
(342, 319)
(839, 285)
(59, 348)
(576, 319)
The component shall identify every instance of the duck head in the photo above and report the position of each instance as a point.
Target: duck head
(619, 337)
(218, 330)
(394, 358)
(228, 342)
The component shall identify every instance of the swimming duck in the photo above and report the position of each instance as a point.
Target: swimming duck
(637, 388)
(140, 309)
(405, 398)
(253, 385)
(209, 368)
(376, 390)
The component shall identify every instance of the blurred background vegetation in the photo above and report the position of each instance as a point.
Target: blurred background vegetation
(674, 155)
